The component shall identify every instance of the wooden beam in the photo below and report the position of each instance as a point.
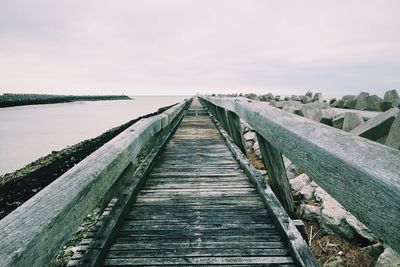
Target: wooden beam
(236, 130)
(273, 162)
(298, 247)
(33, 233)
(361, 175)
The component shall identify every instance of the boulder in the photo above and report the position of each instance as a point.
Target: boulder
(377, 127)
(256, 146)
(249, 144)
(276, 104)
(294, 98)
(351, 121)
(287, 98)
(349, 104)
(396, 103)
(333, 103)
(309, 94)
(374, 250)
(340, 103)
(333, 220)
(277, 98)
(361, 101)
(337, 121)
(306, 99)
(349, 97)
(327, 116)
(299, 182)
(377, 102)
(250, 136)
(291, 106)
(317, 97)
(393, 137)
(309, 212)
(390, 97)
(311, 111)
(258, 153)
(389, 258)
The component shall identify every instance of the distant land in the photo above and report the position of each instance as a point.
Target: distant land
(12, 100)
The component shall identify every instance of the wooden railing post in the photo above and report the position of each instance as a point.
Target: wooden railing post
(235, 129)
(222, 119)
(273, 162)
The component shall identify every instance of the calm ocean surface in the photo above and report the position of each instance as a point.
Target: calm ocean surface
(30, 132)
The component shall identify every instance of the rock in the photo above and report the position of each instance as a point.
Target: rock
(349, 104)
(313, 184)
(389, 258)
(321, 195)
(336, 261)
(377, 127)
(361, 101)
(333, 219)
(299, 182)
(250, 136)
(393, 137)
(340, 103)
(396, 103)
(333, 102)
(309, 94)
(359, 228)
(337, 121)
(258, 153)
(256, 146)
(287, 98)
(389, 98)
(377, 102)
(348, 97)
(291, 175)
(291, 106)
(70, 251)
(307, 192)
(276, 104)
(374, 250)
(327, 116)
(306, 99)
(294, 98)
(317, 97)
(249, 144)
(277, 98)
(311, 111)
(293, 168)
(309, 212)
(351, 121)
(286, 162)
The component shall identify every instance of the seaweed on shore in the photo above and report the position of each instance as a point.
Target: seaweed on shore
(19, 186)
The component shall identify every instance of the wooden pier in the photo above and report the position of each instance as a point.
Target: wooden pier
(192, 198)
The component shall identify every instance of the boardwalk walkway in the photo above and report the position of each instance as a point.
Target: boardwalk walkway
(198, 207)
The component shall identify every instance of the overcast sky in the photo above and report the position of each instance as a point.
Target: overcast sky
(181, 47)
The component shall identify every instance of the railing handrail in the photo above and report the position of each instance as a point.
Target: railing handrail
(35, 231)
(362, 175)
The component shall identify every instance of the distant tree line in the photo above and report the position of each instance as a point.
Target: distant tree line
(10, 100)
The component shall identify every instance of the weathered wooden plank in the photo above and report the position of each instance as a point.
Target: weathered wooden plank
(197, 244)
(198, 260)
(33, 233)
(232, 252)
(348, 167)
(273, 161)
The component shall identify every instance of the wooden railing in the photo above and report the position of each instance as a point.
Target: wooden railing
(361, 175)
(32, 234)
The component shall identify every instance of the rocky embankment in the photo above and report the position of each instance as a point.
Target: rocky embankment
(335, 235)
(12, 100)
(19, 186)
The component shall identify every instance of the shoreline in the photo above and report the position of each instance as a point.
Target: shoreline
(15, 100)
(19, 186)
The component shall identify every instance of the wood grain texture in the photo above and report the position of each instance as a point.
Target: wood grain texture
(361, 175)
(33, 233)
(273, 162)
(198, 213)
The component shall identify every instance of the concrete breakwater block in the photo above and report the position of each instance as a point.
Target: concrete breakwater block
(351, 121)
(377, 127)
